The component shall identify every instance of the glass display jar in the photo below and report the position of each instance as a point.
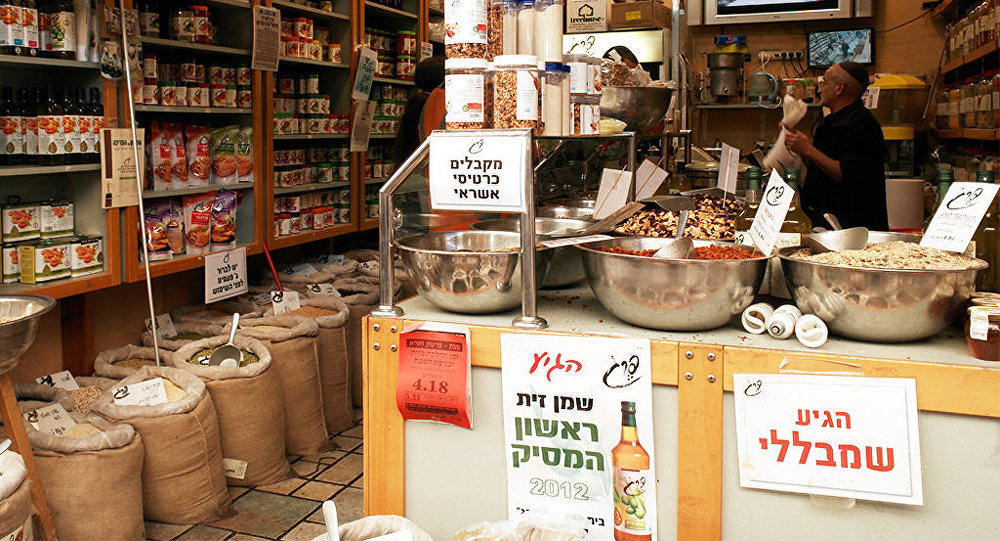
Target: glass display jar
(467, 29)
(515, 92)
(566, 124)
(984, 104)
(182, 24)
(552, 98)
(526, 27)
(585, 115)
(954, 108)
(982, 332)
(995, 100)
(548, 30)
(578, 72)
(968, 104)
(941, 109)
(464, 84)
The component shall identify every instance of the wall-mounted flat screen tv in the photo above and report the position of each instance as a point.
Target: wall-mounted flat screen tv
(762, 11)
(831, 47)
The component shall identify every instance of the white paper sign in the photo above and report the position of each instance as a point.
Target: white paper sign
(562, 405)
(237, 469)
(851, 437)
(331, 259)
(266, 42)
(285, 301)
(649, 178)
(118, 171)
(325, 288)
(151, 392)
(361, 126)
(164, 326)
(426, 50)
(53, 419)
(613, 192)
(225, 274)
(958, 215)
(367, 60)
(771, 213)
(870, 97)
(573, 241)
(729, 162)
(477, 172)
(61, 380)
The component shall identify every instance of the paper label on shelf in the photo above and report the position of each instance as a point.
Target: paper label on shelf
(164, 326)
(237, 469)
(771, 213)
(53, 419)
(367, 62)
(649, 177)
(728, 168)
(285, 301)
(119, 175)
(979, 325)
(62, 380)
(478, 172)
(613, 192)
(225, 274)
(325, 288)
(841, 436)
(426, 50)
(435, 371)
(151, 392)
(870, 97)
(361, 126)
(958, 215)
(559, 243)
(266, 38)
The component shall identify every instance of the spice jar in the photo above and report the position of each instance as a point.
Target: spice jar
(467, 29)
(552, 98)
(984, 104)
(968, 106)
(202, 32)
(995, 88)
(578, 72)
(548, 30)
(982, 332)
(515, 92)
(406, 66)
(526, 27)
(954, 108)
(406, 42)
(182, 24)
(464, 83)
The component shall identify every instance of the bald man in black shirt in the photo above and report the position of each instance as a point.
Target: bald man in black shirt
(847, 157)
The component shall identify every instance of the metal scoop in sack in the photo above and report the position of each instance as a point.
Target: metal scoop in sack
(228, 355)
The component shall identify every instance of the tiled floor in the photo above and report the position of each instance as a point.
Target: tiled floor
(289, 510)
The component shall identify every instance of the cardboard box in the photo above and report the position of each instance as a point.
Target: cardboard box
(644, 14)
(584, 16)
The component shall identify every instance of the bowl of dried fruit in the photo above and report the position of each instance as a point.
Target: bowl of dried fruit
(673, 294)
(714, 218)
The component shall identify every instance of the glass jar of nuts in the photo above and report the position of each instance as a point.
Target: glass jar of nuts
(464, 84)
(465, 29)
(516, 89)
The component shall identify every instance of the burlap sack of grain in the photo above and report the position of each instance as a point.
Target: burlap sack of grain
(360, 294)
(187, 332)
(368, 265)
(292, 343)
(45, 394)
(379, 525)
(250, 409)
(91, 481)
(15, 496)
(331, 315)
(183, 481)
(338, 266)
(122, 362)
(90, 389)
(219, 313)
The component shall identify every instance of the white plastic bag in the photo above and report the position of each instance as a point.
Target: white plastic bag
(780, 157)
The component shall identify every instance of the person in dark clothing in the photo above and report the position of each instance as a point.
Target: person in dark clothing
(847, 156)
(429, 76)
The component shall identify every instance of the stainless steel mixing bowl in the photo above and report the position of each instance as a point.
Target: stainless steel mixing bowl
(471, 272)
(566, 267)
(566, 211)
(640, 107)
(19, 316)
(878, 305)
(670, 294)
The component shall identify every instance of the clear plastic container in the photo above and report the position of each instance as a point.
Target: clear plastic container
(552, 98)
(995, 88)
(585, 115)
(502, 21)
(567, 126)
(467, 29)
(579, 71)
(516, 92)
(595, 85)
(549, 15)
(526, 27)
(465, 83)
(955, 108)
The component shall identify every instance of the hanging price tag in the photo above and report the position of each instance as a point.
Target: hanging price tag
(151, 392)
(285, 301)
(649, 177)
(302, 269)
(435, 367)
(771, 213)
(53, 419)
(367, 60)
(729, 163)
(62, 380)
(164, 326)
(958, 215)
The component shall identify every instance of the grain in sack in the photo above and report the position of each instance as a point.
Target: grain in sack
(187, 332)
(122, 362)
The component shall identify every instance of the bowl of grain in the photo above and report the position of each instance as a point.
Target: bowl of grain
(889, 292)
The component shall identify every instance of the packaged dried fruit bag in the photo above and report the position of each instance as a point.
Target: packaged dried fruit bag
(244, 155)
(199, 155)
(156, 221)
(174, 134)
(158, 160)
(223, 146)
(198, 222)
(224, 220)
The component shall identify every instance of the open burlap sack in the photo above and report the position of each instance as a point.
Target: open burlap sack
(15, 495)
(331, 315)
(41, 394)
(187, 332)
(360, 294)
(90, 389)
(183, 481)
(339, 269)
(122, 362)
(368, 265)
(91, 482)
(219, 313)
(292, 343)
(250, 408)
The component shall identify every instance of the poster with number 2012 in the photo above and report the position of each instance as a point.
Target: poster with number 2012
(578, 431)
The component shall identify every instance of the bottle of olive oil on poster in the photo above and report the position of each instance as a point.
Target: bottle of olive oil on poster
(630, 467)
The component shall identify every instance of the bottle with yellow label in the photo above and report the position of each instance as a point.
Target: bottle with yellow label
(632, 475)
(751, 202)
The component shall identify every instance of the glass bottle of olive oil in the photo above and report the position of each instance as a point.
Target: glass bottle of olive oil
(796, 221)
(630, 466)
(987, 239)
(750, 204)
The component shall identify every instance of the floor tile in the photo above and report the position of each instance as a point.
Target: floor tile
(316, 517)
(316, 490)
(345, 471)
(350, 505)
(360, 482)
(327, 457)
(266, 515)
(284, 487)
(355, 432)
(204, 533)
(160, 531)
(305, 532)
(345, 443)
(245, 537)
(236, 492)
(308, 470)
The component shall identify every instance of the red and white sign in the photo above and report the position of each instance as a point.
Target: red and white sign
(435, 371)
(850, 437)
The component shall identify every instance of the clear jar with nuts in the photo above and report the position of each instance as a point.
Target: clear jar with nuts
(464, 85)
(466, 29)
(516, 89)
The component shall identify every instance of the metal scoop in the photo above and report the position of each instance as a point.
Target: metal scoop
(227, 354)
(676, 248)
(855, 238)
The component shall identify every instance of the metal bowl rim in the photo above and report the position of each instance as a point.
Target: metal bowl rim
(589, 247)
(48, 303)
(399, 243)
(782, 254)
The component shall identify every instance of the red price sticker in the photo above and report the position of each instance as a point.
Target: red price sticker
(434, 374)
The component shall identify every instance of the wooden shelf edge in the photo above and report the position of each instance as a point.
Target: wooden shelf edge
(136, 272)
(368, 224)
(67, 287)
(975, 55)
(303, 238)
(978, 134)
(943, 7)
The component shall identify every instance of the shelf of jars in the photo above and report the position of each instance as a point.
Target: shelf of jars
(979, 134)
(385, 11)
(972, 57)
(151, 43)
(304, 237)
(310, 136)
(13, 60)
(336, 13)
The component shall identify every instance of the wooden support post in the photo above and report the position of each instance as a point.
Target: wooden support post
(385, 448)
(699, 442)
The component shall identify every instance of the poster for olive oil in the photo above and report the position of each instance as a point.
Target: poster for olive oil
(578, 431)
(118, 166)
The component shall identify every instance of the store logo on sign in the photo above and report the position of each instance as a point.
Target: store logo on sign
(753, 389)
(585, 14)
(774, 195)
(964, 200)
(622, 373)
(476, 147)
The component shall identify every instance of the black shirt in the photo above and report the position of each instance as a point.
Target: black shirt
(853, 137)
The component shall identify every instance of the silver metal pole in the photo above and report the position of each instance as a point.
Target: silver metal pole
(631, 165)
(529, 320)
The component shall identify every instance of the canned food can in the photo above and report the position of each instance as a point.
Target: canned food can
(56, 219)
(86, 255)
(44, 261)
(11, 264)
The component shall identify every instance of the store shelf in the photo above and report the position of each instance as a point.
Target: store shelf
(67, 287)
(945, 6)
(974, 56)
(36, 62)
(436, 41)
(382, 136)
(160, 43)
(37, 170)
(376, 180)
(388, 12)
(435, 11)
(368, 224)
(186, 262)
(310, 136)
(310, 62)
(311, 236)
(979, 134)
(240, 4)
(312, 187)
(194, 110)
(162, 194)
(312, 12)
(392, 81)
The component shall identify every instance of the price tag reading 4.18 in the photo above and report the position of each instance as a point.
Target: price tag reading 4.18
(434, 374)
(478, 172)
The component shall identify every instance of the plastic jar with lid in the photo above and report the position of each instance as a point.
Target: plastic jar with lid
(566, 124)
(595, 84)
(406, 42)
(467, 29)
(549, 16)
(984, 104)
(995, 99)
(182, 24)
(494, 28)
(579, 72)
(487, 96)
(552, 98)
(968, 107)
(515, 92)
(202, 29)
(464, 84)
(982, 332)
(585, 115)
(526, 27)
(405, 67)
(510, 10)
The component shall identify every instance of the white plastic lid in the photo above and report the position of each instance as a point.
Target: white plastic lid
(465, 63)
(515, 60)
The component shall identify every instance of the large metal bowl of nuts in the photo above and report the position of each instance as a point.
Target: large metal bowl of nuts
(641, 108)
(670, 294)
(566, 267)
(713, 219)
(882, 304)
(471, 272)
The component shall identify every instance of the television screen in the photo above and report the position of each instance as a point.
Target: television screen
(736, 7)
(831, 47)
